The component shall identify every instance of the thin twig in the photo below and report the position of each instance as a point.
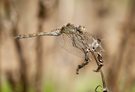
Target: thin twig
(101, 73)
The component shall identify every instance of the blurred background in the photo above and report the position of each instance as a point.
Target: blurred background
(42, 65)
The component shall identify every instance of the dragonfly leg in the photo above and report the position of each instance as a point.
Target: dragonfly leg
(86, 61)
(99, 67)
(100, 62)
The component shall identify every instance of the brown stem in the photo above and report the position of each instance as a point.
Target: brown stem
(39, 46)
(101, 73)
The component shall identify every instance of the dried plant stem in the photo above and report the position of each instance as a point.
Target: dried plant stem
(39, 45)
(101, 73)
(103, 81)
(10, 10)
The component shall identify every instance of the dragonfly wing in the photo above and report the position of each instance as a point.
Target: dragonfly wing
(66, 42)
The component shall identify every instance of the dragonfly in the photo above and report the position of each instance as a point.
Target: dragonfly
(80, 39)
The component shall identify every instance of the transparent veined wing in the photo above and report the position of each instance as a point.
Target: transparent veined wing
(65, 42)
(75, 44)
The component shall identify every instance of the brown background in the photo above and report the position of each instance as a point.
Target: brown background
(32, 63)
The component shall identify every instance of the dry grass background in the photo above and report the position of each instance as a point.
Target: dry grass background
(30, 64)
